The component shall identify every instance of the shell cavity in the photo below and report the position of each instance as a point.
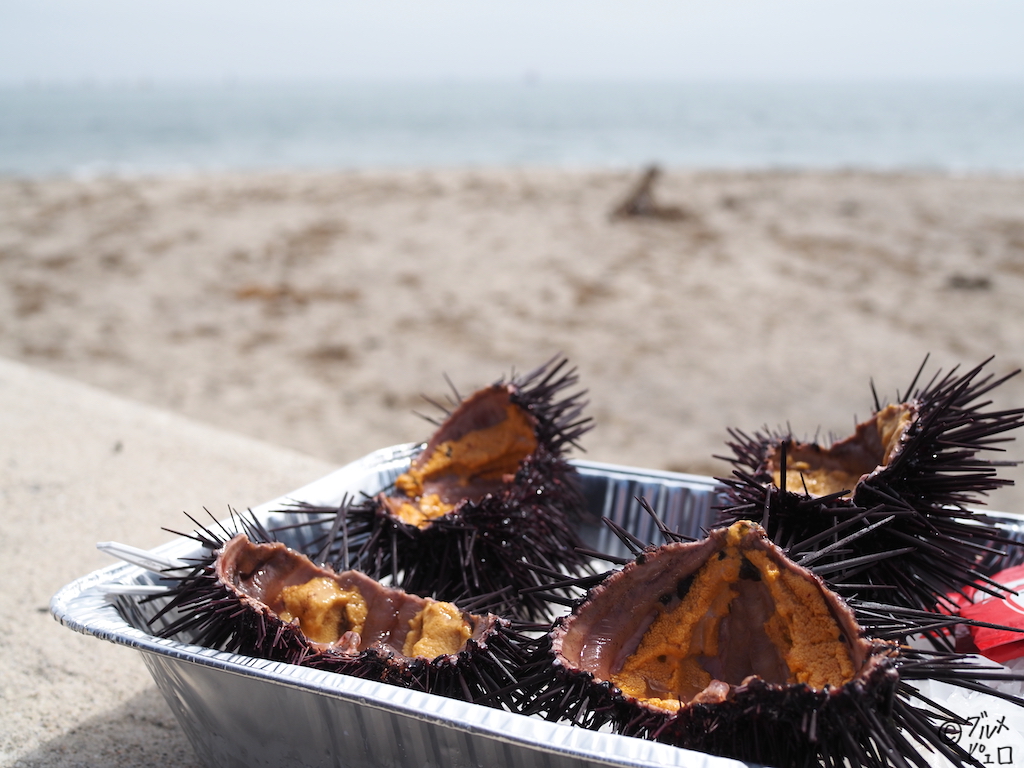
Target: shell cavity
(348, 611)
(691, 622)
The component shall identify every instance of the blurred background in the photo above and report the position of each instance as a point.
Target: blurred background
(292, 221)
(114, 87)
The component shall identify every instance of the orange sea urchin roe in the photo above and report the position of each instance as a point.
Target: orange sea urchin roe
(671, 665)
(803, 628)
(325, 611)
(825, 471)
(423, 510)
(479, 455)
(437, 630)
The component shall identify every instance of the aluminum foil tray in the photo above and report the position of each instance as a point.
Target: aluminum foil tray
(241, 711)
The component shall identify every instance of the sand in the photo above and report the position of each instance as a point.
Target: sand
(314, 310)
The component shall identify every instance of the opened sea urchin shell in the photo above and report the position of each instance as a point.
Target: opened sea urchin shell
(489, 495)
(723, 646)
(266, 600)
(916, 460)
(727, 646)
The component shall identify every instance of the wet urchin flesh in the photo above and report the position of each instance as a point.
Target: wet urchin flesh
(487, 499)
(920, 460)
(254, 596)
(726, 645)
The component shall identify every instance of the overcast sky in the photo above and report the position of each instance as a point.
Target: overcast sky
(252, 40)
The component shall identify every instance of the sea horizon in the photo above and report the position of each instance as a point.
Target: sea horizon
(148, 127)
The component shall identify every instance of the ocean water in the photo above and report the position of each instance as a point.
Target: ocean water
(126, 129)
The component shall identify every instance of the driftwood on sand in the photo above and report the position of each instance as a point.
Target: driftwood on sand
(640, 202)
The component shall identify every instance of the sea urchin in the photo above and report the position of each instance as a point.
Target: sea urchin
(260, 598)
(487, 497)
(727, 646)
(915, 460)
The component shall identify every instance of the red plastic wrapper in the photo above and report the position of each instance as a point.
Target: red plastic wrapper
(1000, 645)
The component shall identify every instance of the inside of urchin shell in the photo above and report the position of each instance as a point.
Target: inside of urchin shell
(475, 451)
(840, 467)
(346, 610)
(690, 621)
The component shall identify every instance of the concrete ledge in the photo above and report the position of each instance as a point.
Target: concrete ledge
(78, 466)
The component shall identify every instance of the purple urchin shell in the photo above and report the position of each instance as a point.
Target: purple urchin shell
(487, 500)
(727, 646)
(915, 461)
(266, 600)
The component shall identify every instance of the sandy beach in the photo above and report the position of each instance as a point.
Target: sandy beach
(314, 310)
